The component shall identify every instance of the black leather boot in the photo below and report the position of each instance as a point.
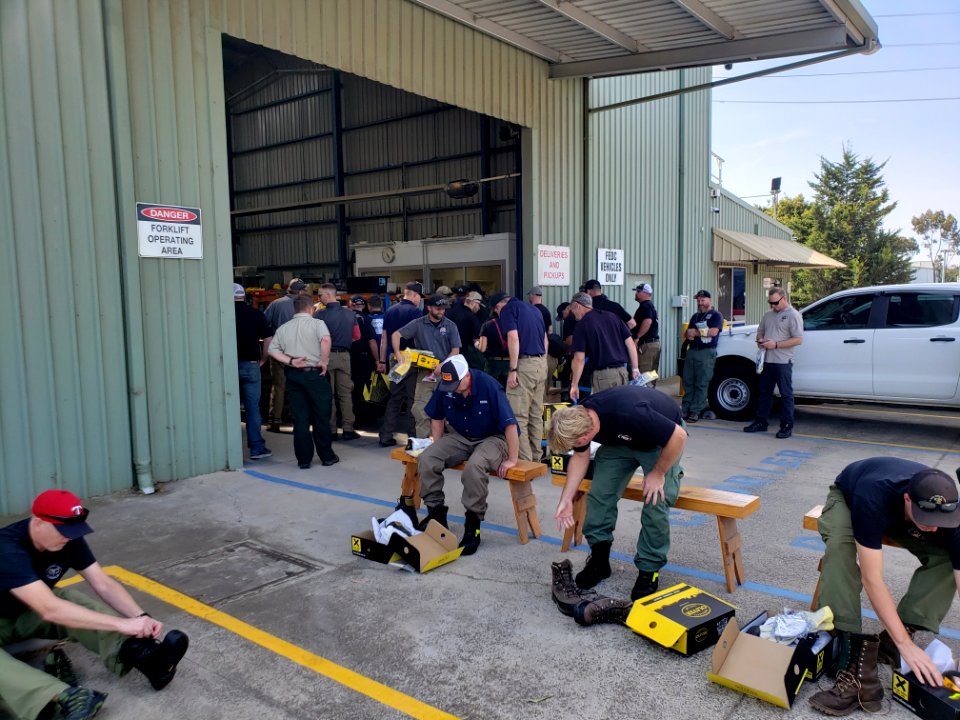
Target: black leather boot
(438, 513)
(858, 686)
(405, 503)
(597, 567)
(157, 660)
(471, 533)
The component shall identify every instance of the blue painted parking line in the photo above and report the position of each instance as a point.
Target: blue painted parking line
(771, 590)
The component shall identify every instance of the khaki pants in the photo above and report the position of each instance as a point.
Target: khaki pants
(278, 384)
(648, 357)
(27, 690)
(932, 586)
(421, 396)
(341, 383)
(482, 458)
(607, 378)
(526, 401)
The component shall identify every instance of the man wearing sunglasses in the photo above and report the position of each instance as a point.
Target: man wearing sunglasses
(34, 555)
(916, 507)
(779, 333)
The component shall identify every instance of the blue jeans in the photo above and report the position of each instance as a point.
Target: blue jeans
(250, 397)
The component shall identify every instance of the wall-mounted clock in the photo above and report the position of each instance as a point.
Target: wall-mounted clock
(388, 254)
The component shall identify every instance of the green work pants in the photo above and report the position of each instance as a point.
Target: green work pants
(614, 468)
(27, 690)
(932, 586)
(697, 374)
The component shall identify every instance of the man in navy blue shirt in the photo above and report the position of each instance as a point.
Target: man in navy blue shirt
(397, 316)
(917, 507)
(527, 377)
(605, 339)
(637, 427)
(483, 434)
(702, 331)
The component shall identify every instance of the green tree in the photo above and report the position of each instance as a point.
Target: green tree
(844, 220)
(940, 237)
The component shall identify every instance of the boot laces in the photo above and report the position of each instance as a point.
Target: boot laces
(846, 680)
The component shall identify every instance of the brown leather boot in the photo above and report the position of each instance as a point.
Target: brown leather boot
(858, 686)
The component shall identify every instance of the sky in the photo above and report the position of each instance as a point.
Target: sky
(780, 126)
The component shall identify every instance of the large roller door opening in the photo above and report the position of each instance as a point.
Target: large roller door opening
(334, 175)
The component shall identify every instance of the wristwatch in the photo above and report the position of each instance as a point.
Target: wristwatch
(514, 369)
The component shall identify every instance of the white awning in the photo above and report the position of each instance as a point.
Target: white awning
(741, 247)
(592, 38)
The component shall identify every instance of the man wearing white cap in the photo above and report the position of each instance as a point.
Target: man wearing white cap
(253, 339)
(483, 433)
(647, 330)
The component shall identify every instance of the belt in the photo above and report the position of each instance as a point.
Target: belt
(305, 369)
(525, 357)
(339, 349)
(610, 367)
(649, 340)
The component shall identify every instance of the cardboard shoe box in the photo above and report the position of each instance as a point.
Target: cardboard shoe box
(931, 703)
(558, 465)
(423, 552)
(761, 668)
(682, 618)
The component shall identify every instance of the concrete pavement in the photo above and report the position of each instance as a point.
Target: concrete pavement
(285, 622)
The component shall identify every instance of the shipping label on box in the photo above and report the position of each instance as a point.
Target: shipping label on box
(365, 545)
(760, 668)
(682, 617)
(925, 701)
(559, 463)
(430, 549)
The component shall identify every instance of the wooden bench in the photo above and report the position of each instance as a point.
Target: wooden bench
(519, 476)
(810, 523)
(728, 507)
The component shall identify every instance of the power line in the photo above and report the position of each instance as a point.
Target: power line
(926, 14)
(857, 72)
(919, 44)
(833, 102)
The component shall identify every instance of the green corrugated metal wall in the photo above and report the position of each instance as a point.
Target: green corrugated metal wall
(648, 192)
(127, 364)
(64, 414)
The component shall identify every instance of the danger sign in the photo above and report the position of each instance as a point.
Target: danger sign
(169, 231)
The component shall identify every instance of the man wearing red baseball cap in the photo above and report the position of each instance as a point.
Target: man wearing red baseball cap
(37, 552)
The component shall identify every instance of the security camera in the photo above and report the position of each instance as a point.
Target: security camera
(728, 66)
(716, 210)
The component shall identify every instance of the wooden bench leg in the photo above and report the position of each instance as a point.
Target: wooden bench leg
(525, 508)
(410, 487)
(731, 545)
(575, 534)
(815, 603)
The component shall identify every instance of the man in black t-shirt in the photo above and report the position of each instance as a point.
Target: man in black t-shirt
(636, 427)
(647, 330)
(34, 555)
(916, 507)
(601, 302)
(253, 339)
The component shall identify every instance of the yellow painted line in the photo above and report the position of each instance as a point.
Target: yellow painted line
(878, 411)
(346, 677)
(952, 451)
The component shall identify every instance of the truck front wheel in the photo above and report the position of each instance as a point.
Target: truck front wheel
(733, 392)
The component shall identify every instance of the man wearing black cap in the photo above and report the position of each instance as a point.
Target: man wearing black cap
(483, 434)
(253, 339)
(601, 302)
(437, 334)
(277, 313)
(916, 507)
(702, 331)
(36, 553)
(398, 315)
(647, 330)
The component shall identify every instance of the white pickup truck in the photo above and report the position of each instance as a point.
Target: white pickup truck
(888, 344)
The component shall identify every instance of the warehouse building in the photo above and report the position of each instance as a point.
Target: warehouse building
(151, 147)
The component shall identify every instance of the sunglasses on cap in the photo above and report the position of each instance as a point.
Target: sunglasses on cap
(937, 502)
(70, 520)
